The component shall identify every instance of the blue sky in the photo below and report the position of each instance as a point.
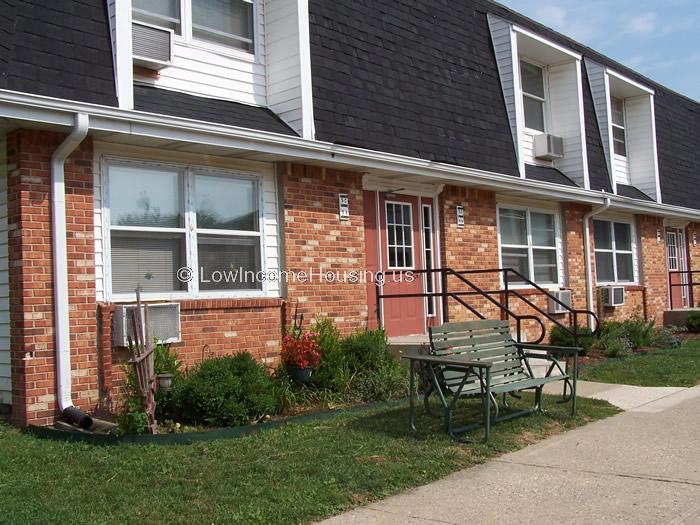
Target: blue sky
(660, 39)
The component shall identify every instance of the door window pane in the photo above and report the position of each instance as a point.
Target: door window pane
(399, 226)
(604, 267)
(145, 197)
(513, 226)
(226, 22)
(148, 260)
(226, 204)
(543, 232)
(228, 263)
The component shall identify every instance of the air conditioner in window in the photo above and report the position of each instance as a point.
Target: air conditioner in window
(163, 317)
(549, 147)
(152, 46)
(613, 295)
(554, 307)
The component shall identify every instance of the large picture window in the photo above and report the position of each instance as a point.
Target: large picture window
(614, 252)
(529, 244)
(227, 23)
(162, 219)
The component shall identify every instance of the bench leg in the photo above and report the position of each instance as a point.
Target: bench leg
(573, 387)
(487, 406)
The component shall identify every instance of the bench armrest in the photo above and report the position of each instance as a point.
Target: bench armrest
(569, 350)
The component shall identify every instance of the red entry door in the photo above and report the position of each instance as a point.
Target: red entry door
(400, 242)
(676, 260)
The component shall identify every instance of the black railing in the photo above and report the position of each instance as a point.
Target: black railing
(503, 306)
(690, 283)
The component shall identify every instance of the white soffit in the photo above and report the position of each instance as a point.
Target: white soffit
(539, 48)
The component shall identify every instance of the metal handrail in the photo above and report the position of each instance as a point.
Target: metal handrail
(487, 294)
(690, 284)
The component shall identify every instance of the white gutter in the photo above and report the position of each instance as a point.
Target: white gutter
(60, 112)
(60, 259)
(587, 253)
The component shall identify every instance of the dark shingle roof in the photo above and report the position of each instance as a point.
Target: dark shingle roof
(546, 174)
(57, 48)
(177, 104)
(625, 190)
(411, 78)
(420, 79)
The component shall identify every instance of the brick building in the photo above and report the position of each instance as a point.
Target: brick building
(313, 148)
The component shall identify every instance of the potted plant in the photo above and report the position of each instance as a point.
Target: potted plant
(300, 355)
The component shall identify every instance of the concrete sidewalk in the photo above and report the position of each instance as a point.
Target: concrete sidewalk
(641, 466)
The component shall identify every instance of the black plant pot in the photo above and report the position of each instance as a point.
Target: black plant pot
(303, 375)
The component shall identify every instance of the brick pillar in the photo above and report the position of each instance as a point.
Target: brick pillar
(653, 266)
(693, 255)
(31, 275)
(316, 239)
(576, 254)
(473, 247)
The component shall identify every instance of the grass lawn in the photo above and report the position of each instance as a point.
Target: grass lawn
(666, 367)
(293, 474)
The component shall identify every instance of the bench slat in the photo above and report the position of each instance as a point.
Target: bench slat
(470, 341)
(467, 326)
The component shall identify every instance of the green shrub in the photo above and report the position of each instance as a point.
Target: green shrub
(639, 332)
(613, 341)
(165, 360)
(560, 337)
(224, 391)
(666, 338)
(332, 372)
(693, 322)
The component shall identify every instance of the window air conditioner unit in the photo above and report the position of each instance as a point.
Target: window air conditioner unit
(554, 307)
(549, 147)
(164, 319)
(152, 47)
(613, 295)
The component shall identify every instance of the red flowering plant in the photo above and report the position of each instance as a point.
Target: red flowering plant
(302, 351)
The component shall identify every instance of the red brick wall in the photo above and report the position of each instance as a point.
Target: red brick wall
(316, 239)
(31, 275)
(210, 328)
(470, 248)
(694, 256)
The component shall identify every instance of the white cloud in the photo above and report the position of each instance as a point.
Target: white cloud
(642, 24)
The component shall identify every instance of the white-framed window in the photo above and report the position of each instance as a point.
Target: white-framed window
(228, 24)
(399, 235)
(532, 81)
(529, 241)
(161, 218)
(614, 251)
(617, 108)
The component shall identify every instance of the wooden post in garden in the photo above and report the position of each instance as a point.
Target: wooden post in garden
(141, 344)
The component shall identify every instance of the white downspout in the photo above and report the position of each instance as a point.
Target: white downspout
(587, 253)
(60, 259)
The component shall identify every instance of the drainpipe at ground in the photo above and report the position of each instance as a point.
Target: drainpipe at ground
(60, 272)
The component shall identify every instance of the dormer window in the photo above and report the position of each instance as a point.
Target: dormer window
(161, 13)
(617, 107)
(532, 81)
(224, 23)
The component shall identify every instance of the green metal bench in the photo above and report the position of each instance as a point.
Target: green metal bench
(481, 359)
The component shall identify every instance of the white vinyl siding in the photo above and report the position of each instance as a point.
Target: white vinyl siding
(5, 377)
(566, 118)
(288, 64)
(641, 143)
(621, 169)
(210, 70)
(270, 226)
